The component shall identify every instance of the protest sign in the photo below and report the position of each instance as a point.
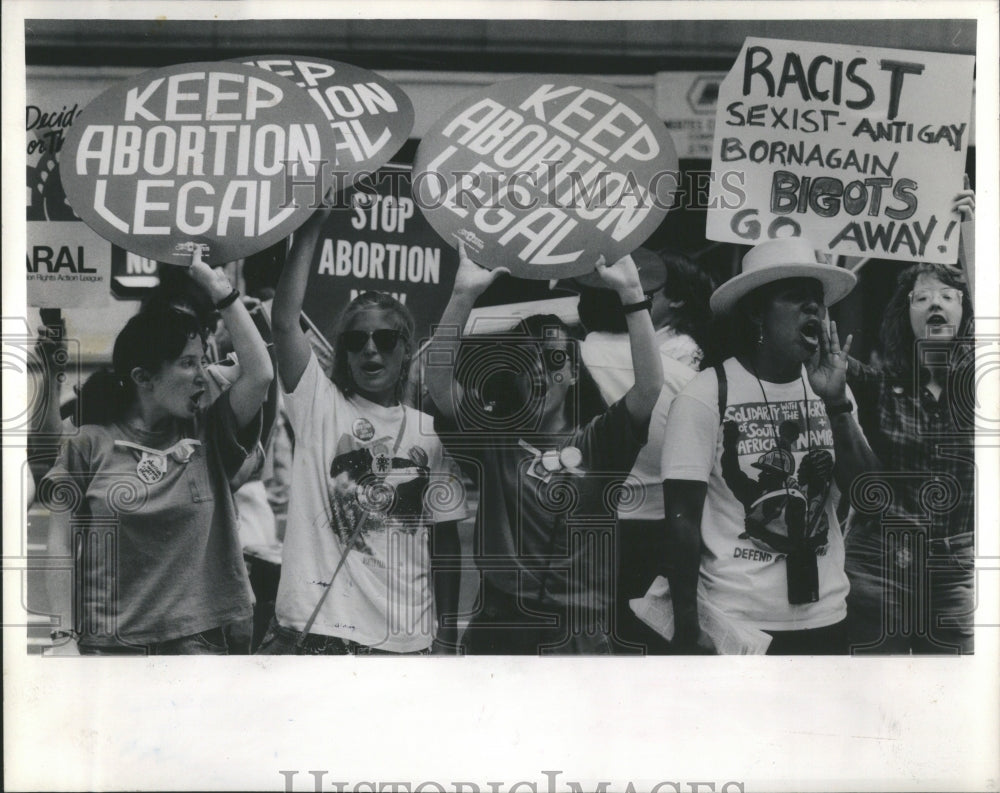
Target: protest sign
(376, 241)
(209, 153)
(861, 150)
(68, 265)
(370, 117)
(543, 174)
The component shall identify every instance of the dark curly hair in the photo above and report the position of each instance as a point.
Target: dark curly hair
(149, 340)
(341, 374)
(896, 339)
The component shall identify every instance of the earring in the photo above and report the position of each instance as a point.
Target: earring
(760, 334)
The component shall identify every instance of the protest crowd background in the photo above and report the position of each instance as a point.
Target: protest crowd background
(561, 428)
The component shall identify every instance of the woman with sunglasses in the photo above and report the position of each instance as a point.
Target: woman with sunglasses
(910, 548)
(368, 483)
(549, 472)
(140, 495)
(753, 454)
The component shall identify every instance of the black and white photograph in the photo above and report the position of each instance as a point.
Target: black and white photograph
(576, 348)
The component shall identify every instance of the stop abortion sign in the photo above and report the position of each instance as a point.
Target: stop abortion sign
(220, 154)
(543, 174)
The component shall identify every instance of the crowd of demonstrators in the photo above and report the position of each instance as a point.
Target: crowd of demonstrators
(913, 557)
(141, 493)
(366, 484)
(546, 576)
(601, 464)
(752, 529)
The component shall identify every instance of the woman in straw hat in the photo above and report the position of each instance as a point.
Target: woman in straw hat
(753, 456)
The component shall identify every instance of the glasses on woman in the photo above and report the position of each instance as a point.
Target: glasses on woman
(385, 339)
(946, 296)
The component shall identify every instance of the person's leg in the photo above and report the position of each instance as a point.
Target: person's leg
(875, 603)
(951, 580)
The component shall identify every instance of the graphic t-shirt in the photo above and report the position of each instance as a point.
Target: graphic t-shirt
(370, 479)
(154, 534)
(547, 509)
(769, 468)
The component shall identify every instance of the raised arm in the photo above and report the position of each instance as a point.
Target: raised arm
(290, 342)
(471, 281)
(828, 378)
(623, 277)
(965, 207)
(256, 373)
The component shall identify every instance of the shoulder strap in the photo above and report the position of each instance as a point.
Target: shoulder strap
(720, 372)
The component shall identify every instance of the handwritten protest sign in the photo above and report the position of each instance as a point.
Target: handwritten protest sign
(370, 117)
(377, 241)
(68, 265)
(859, 149)
(200, 152)
(542, 174)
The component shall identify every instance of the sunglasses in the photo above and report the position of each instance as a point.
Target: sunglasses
(385, 339)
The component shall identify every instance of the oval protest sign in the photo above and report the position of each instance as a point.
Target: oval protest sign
(370, 118)
(543, 174)
(210, 153)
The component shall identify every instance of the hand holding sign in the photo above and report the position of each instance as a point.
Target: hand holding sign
(213, 280)
(623, 277)
(471, 280)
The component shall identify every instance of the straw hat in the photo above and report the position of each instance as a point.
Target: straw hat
(774, 260)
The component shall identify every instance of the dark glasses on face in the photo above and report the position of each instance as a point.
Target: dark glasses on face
(385, 339)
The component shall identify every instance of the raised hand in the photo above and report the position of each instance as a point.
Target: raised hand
(623, 277)
(965, 201)
(827, 369)
(471, 279)
(212, 280)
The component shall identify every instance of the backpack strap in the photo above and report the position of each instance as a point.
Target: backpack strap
(720, 372)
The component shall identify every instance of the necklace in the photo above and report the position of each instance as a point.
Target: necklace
(777, 434)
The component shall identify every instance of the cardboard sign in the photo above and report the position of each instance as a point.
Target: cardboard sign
(370, 117)
(861, 150)
(377, 241)
(542, 174)
(68, 265)
(213, 153)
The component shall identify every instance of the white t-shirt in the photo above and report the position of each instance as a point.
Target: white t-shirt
(758, 483)
(358, 461)
(608, 358)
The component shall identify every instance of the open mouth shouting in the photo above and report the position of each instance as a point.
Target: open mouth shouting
(937, 325)
(372, 368)
(809, 334)
(195, 399)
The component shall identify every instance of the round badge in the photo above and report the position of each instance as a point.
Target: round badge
(363, 429)
(151, 468)
(550, 461)
(571, 457)
(418, 456)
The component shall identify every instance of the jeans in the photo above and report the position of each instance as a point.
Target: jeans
(210, 642)
(909, 594)
(280, 640)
